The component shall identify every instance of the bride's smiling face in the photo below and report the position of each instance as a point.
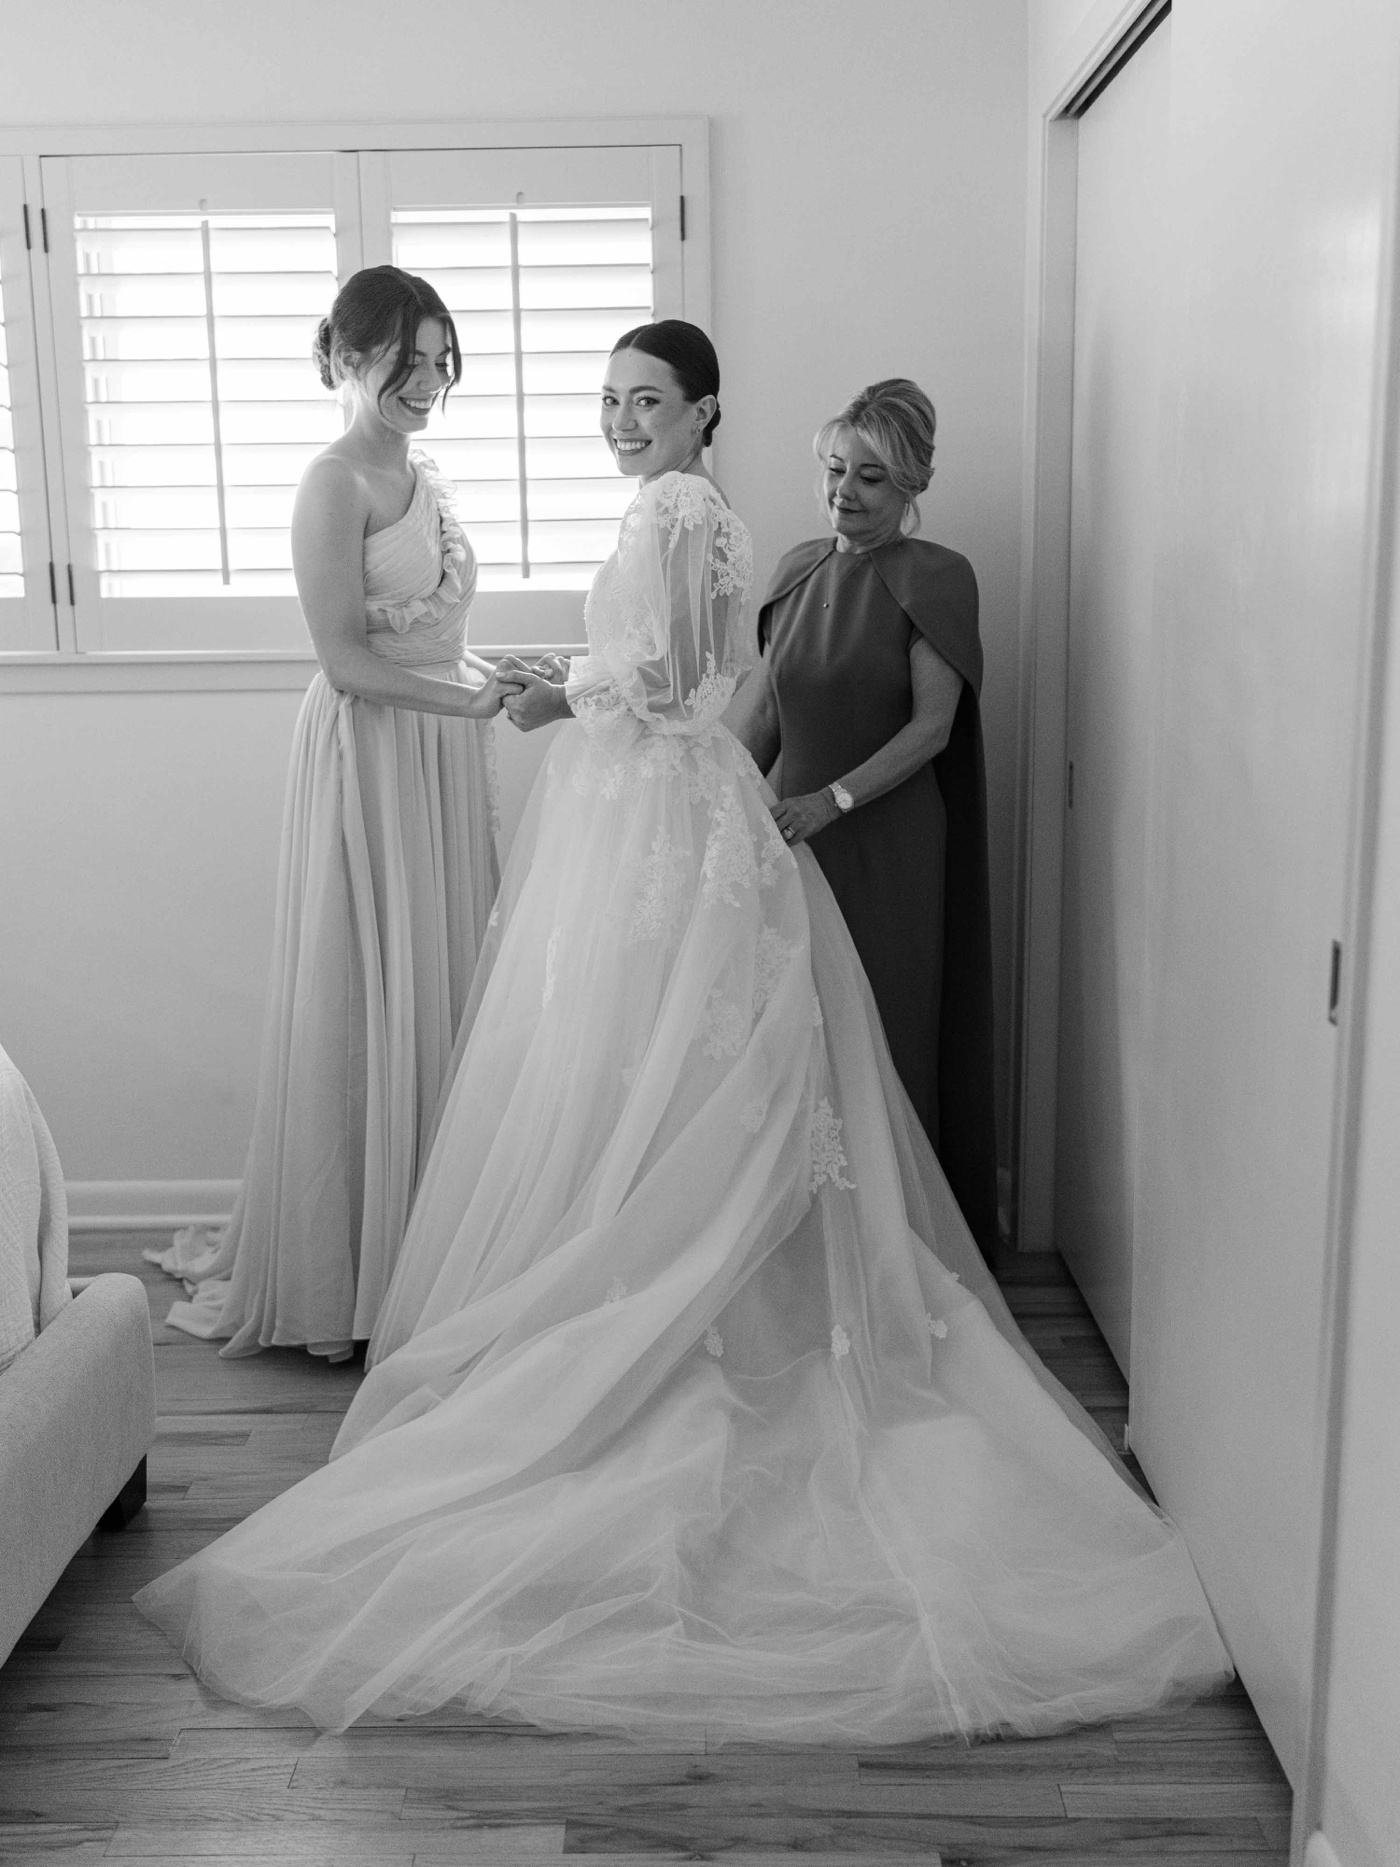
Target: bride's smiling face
(645, 418)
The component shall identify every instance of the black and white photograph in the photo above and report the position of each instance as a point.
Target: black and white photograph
(700, 933)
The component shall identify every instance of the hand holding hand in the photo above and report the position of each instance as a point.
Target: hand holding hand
(552, 668)
(537, 700)
(801, 817)
(489, 698)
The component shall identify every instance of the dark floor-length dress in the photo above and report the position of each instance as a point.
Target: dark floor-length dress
(909, 869)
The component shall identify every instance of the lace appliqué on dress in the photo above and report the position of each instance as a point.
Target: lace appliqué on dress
(729, 854)
(723, 1026)
(828, 1156)
(661, 891)
(684, 499)
(711, 694)
(776, 855)
(772, 957)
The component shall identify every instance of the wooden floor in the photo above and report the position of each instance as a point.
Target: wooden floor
(109, 1750)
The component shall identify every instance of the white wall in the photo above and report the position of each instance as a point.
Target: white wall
(868, 216)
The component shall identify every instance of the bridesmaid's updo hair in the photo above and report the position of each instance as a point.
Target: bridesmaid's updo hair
(376, 310)
(690, 354)
(896, 421)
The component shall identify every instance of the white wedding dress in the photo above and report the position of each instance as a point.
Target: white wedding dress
(693, 1407)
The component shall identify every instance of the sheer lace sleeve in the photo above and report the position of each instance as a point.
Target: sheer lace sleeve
(667, 617)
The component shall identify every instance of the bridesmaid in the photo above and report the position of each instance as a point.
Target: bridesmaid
(868, 688)
(388, 863)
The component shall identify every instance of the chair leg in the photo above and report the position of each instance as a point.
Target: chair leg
(126, 1503)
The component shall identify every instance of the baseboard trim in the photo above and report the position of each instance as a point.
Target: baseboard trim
(148, 1205)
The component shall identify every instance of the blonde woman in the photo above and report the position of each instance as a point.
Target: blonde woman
(868, 687)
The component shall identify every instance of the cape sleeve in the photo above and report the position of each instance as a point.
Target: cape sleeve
(793, 569)
(937, 590)
(672, 653)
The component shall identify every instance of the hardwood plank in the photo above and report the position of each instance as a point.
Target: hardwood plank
(1176, 1798)
(32, 1784)
(56, 1844)
(1092, 1747)
(1232, 1756)
(450, 1777)
(309, 1851)
(688, 1799)
(283, 1840)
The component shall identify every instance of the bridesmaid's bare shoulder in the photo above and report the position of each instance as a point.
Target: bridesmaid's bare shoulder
(333, 491)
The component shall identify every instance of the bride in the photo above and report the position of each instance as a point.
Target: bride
(692, 1406)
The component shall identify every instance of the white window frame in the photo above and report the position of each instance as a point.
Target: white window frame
(28, 622)
(48, 653)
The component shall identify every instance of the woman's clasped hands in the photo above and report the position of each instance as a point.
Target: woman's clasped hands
(532, 692)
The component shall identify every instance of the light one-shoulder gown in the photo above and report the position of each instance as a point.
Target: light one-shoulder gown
(693, 1408)
(386, 879)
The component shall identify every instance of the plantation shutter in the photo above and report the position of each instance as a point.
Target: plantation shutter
(186, 295)
(544, 258)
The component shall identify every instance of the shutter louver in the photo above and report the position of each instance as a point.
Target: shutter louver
(11, 539)
(203, 406)
(539, 296)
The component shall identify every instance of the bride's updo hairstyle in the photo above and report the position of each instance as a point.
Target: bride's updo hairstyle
(377, 310)
(896, 421)
(690, 354)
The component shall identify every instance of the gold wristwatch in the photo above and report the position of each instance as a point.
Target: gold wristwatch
(843, 798)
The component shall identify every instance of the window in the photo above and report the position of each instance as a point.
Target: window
(539, 296)
(544, 257)
(202, 406)
(185, 294)
(179, 293)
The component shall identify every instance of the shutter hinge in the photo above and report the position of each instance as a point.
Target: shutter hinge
(1334, 988)
(53, 586)
(72, 600)
(44, 226)
(28, 243)
(682, 216)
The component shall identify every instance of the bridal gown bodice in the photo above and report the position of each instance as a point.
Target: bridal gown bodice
(693, 1411)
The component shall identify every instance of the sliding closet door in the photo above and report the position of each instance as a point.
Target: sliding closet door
(1117, 340)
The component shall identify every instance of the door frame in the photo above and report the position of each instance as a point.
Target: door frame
(1109, 33)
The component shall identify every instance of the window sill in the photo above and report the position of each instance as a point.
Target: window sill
(262, 670)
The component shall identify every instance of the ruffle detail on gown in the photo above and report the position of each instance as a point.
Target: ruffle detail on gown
(693, 1409)
(414, 618)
